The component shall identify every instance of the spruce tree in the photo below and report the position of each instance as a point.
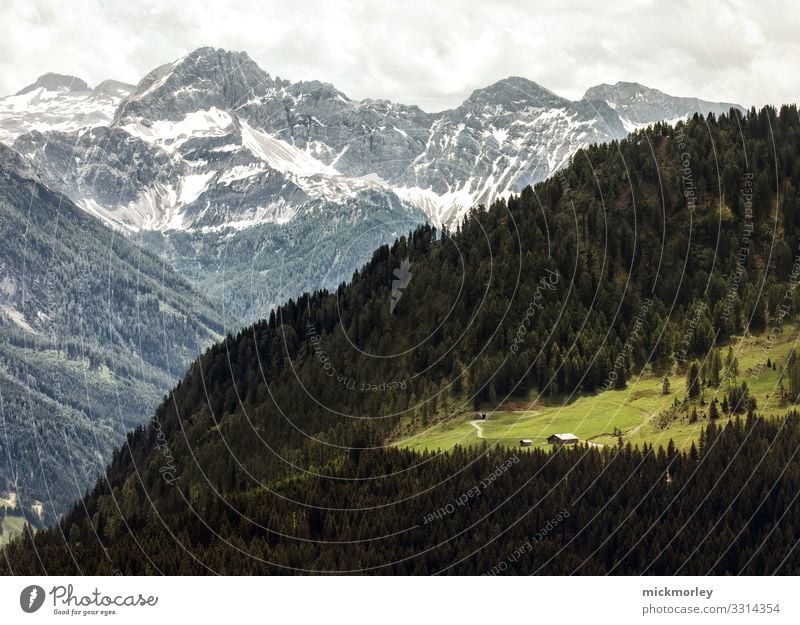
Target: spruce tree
(693, 380)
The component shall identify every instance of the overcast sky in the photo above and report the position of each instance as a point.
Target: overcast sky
(428, 53)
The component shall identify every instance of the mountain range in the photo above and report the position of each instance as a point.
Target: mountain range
(248, 183)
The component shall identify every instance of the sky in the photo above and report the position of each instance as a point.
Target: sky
(434, 53)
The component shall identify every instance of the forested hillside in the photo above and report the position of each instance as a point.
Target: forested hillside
(728, 506)
(271, 455)
(93, 331)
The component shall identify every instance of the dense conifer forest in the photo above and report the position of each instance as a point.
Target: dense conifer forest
(276, 453)
(729, 506)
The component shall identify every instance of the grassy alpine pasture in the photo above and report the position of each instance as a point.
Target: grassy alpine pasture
(12, 525)
(631, 414)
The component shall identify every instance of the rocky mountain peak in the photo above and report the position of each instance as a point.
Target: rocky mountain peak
(113, 88)
(56, 82)
(233, 144)
(620, 89)
(204, 79)
(638, 105)
(514, 93)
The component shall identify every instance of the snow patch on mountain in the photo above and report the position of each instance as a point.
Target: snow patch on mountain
(192, 186)
(281, 155)
(441, 208)
(170, 136)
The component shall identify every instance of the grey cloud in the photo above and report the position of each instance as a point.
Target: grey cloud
(431, 54)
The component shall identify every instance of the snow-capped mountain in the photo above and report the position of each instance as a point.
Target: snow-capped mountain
(213, 145)
(215, 140)
(501, 139)
(58, 102)
(194, 146)
(639, 106)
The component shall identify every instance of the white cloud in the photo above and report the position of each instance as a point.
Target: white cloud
(431, 54)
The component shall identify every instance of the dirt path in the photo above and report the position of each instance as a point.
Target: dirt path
(478, 427)
(647, 419)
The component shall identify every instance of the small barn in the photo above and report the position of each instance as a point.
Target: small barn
(525, 442)
(562, 439)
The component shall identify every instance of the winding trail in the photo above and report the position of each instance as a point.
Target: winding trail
(476, 423)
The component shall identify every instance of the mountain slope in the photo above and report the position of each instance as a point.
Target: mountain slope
(280, 438)
(94, 331)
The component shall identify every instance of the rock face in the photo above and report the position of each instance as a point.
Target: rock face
(212, 144)
(102, 167)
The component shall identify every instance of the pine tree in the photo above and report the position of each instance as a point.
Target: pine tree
(622, 378)
(715, 364)
(730, 365)
(693, 380)
(792, 374)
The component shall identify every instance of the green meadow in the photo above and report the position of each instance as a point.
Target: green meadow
(631, 414)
